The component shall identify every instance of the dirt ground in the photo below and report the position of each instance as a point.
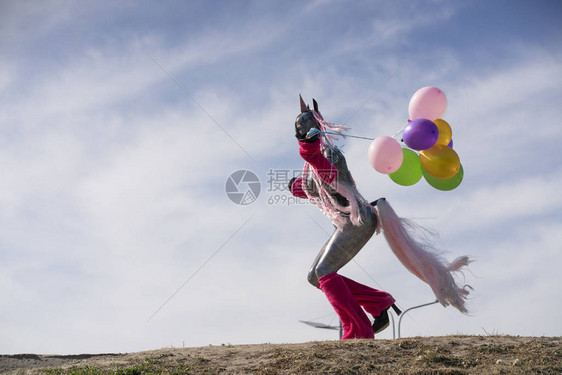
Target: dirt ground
(418, 355)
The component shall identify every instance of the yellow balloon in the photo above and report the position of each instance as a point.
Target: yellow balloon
(440, 161)
(445, 132)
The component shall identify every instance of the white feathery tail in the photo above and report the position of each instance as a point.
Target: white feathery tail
(422, 259)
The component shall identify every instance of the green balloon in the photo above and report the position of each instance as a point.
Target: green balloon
(410, 172)
(445, 184)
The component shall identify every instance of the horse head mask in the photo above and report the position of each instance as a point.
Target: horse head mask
(306, 119)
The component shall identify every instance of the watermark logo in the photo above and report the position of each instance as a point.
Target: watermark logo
(243, 187)
(278, 187)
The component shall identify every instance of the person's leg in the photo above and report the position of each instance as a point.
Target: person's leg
(343, 246)
(312, 278)
(354, 320)
(373, 301)
(338, 251)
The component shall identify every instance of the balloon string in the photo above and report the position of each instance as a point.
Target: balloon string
(398, 134)
(328, 142)
(348, 135)
(395, 136)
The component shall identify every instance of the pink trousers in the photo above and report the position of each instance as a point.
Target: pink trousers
(346, 297)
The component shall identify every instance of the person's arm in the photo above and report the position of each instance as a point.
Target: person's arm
(311, 153)
(295, 187)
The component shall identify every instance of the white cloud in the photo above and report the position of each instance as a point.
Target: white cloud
(490, 207)
(504, 91)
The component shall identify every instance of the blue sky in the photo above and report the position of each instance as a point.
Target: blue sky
(112, 177)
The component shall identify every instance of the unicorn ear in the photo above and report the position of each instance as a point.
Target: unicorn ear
(304, 107)
(315, 105)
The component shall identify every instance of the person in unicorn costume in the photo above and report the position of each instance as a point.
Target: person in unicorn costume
(327, 182)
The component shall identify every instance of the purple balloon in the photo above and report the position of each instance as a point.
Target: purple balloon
(450, 144)
(420, 134)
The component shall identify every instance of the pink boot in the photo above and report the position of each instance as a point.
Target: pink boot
(373, 301)
(354, 320)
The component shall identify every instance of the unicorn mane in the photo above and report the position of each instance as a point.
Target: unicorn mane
(324, 200)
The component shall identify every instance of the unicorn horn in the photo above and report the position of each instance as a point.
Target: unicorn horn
(304, 107)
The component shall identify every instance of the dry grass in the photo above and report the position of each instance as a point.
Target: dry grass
(420, 355)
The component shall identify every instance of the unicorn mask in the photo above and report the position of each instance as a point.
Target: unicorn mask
(306, 120)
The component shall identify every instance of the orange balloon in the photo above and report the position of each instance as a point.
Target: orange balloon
(445, 132)
(440, 161)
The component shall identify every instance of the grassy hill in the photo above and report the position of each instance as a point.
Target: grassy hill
(418, 355)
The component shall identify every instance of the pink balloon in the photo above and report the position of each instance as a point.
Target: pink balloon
(428, 102)
(385, 155)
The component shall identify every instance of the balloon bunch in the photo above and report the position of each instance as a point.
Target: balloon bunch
(429, 146)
